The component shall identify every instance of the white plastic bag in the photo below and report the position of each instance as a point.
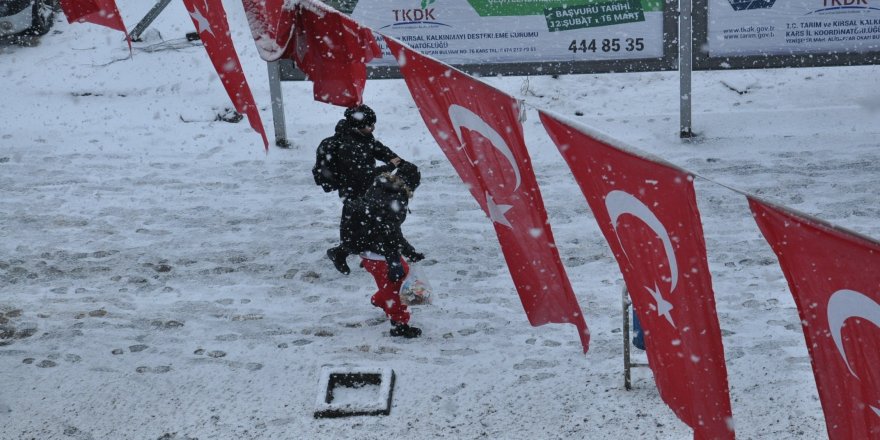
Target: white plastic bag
(415, 290)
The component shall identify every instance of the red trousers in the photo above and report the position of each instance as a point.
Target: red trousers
(388, 295)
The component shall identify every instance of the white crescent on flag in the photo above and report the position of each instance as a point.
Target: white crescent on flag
(619, 203)
(462, 117)
(845, 304)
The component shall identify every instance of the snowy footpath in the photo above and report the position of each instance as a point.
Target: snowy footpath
(162, 277)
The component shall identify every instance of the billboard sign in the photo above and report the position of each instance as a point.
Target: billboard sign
(792, 27)
(472, 32)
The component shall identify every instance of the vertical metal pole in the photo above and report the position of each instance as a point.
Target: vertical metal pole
(685, 65)
(627, 383)
(145, 22)
(277, 104)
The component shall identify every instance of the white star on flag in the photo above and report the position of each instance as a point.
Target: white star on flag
(202, 24)
(663, 306)
(496, 212)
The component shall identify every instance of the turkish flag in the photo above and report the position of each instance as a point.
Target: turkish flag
(210, 20)
(332, 50)
(100, 12)
(647, 212)
(834, 277)
(479, 130)
(271, 26)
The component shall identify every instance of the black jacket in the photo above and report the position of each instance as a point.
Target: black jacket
(346, 161)
(373, 222)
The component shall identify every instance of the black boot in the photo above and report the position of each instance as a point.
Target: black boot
(405, 330)
(337, 255)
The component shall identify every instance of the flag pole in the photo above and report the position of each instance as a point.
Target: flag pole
(627, 382)
(145, 22)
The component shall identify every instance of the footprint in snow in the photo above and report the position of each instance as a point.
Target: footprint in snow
(158, 370)
(534, 364)
(213, 353)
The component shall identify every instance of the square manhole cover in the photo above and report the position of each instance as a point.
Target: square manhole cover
(354, 391)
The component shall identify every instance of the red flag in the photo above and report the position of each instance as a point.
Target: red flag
(834, 277)
(271, 26)
(332, 50)
(479, 130)
(648, 214)
(210, 20)
(100, 12)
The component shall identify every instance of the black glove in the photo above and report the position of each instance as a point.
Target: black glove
(415, 257)
(396, 272)
(387, 168)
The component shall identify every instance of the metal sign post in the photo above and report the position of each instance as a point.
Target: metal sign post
(685, 66)
(277, 104)
(628, 365)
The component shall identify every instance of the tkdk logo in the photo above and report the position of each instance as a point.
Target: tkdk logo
(413, 15)
(845, 6)
(835, 3)
(422, 15)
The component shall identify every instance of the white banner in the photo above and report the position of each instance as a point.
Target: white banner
(513, 31)
(785, 27)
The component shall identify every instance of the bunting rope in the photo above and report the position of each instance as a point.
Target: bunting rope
(607, 139)
(639, 153)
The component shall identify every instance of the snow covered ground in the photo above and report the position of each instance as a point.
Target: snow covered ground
(161, 277)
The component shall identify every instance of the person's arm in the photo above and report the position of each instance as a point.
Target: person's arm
(408, 251)
(396, 272)
(387, 168)
(389, 246)
(383, 153)
(395, 267)
(399, 245)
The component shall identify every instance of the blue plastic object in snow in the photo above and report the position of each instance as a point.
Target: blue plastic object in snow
(638, 333)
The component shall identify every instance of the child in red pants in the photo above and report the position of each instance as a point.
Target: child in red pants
(388, 296)
(371, 226)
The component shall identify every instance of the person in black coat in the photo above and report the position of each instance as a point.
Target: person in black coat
(346, 162)
(371, 226)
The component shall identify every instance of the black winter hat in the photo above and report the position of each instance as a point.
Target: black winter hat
(360, 116)
(409, 174)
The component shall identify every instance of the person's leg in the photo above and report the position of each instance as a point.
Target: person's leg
(338, 254)
(387, 297)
